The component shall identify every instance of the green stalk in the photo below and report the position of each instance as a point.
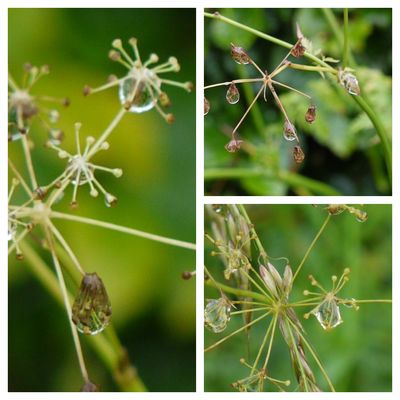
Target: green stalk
(108, 351)
(345, 37)
(290, 178)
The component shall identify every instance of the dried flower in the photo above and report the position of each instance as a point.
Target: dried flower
(91, 311)
(233, 145)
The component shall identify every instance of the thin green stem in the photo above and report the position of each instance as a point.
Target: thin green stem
(318, 235)
(28, 160)
(291, 178)
(118, 228)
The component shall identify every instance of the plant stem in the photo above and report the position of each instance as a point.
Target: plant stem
(28, 160)
(237, 292)
(311, 246)
(250, 80)
(130, 231)
(109, 351)
(290, 178)
(345, 37)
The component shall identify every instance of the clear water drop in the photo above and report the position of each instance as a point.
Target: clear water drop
(54, 116)
(91, 311)
(239, 55)
(328, 314)
(232, 95)
(142, 79)
(217, 314)
(289, 131)
(56, 136)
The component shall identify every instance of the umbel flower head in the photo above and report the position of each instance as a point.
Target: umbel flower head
(91, 311)
(23, 105)
(141, 89)
(80, 170)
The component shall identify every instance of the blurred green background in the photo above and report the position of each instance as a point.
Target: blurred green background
(357, 355)
(156, 194)
(341, 147)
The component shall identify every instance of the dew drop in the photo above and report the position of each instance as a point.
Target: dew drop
(232, 95)
(91, 311)
(328, 314)
(56, 136)
(349, 82)
(239, 55)
(289, 131)
(217, 314)
(361, 216)
(206, 106)
(142, 79)
(54, 116)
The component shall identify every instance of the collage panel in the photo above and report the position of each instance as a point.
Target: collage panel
(298, 298)
(97, 246)
(298, 101)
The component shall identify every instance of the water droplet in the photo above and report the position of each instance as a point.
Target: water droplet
(336, 209)
(54, 116)
(239, 55)
(217, 314)
(289, 131)
(110, 200)
(349, 82)
(206, 106)
(145, 98)
(311, 114)
(361, 216)
(12, 230)
(91, 311)
(232, 95)
(56, 136)
(328, 313)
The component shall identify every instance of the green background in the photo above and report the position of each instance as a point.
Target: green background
(156, 193)
(357, 354)
(341, 146)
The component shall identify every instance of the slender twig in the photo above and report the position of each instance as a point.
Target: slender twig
(345, 37)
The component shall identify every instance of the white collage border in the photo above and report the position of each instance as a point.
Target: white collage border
(201, 199)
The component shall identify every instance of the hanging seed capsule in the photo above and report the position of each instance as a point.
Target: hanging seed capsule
(336, 209)
(349, 82)
(206, 106)
(289, 131)
(234, 145)
(217, 314)
(328, 313)
(89, 387)
(91, 311)
(239, 55)
(298, 50)
(232, 95)
(311, 114)
(298, 155)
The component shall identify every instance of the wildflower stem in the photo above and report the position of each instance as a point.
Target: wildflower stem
(249, 310)
(28, 160)
(106, 133)
(248, 110)
(270, 342)
(20, 178)
(367, 301)
(249, 80)
(311, 246)
(312, 68)
(119, 228)
(109, 351)
(314, 355)
(67, 304)
(213, 346)
(271, 326)
(237, 292)
(291, 88)
(182, 85)
(345, 37)
(11, 82)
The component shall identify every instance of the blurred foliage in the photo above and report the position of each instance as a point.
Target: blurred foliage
(156, 194)
(357, 355)
(341, 147)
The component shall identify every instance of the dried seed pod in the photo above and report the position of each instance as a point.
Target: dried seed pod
(239, 55)
(298, 50)
(91, 311)
(232, 95)
(298, 155)
(336, 209)
(311, 114)
(234, 145)
(206, 106)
